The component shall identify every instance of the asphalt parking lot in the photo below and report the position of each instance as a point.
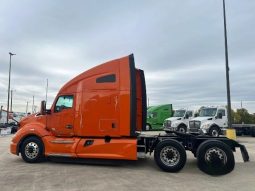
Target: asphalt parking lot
(140, 175)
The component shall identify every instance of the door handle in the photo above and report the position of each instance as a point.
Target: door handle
(69, 126)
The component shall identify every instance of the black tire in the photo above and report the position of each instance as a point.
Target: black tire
(215, 158)
(170, 150)
(148, 127)
(182, 129)
(32, 150)
(214, 131)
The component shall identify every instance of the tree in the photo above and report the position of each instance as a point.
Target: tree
(243, 116)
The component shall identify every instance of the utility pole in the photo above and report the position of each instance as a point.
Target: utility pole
(227, 67)
(1, 112)
(33, 104)
(27, 107)
(9, 83)
(46, 96)
(11, 100)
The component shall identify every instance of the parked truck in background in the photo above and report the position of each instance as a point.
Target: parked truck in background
(100, 114)
(156, 116)
(244, 129)
(211, 121)
(179, 121)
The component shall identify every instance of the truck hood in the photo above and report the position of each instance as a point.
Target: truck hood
(29, 119)
(173, 118)
(202, 119)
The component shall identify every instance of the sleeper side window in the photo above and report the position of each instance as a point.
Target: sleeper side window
(111, 78)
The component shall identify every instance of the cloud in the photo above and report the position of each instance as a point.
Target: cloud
(179, 44)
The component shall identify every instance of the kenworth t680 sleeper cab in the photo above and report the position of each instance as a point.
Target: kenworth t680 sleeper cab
(101, 113)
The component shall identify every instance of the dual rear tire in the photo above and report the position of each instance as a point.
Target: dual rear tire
(170, 155)
(213, 157)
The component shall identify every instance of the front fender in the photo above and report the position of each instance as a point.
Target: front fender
(176, 124)
(31, 129)
(182, 124)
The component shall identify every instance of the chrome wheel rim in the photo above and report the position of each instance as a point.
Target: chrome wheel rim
(170, 156)
(216, 153)
(31, 150)
(215, 133)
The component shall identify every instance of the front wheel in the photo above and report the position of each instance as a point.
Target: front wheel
(170, 155)
(32, 150)
(214, 131)
(182, 129)
(215, 158)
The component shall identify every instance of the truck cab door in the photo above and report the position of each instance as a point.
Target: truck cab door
(61, 119)
(221, 118)
(186, 117)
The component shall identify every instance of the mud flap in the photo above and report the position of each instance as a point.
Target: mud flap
(244, 152)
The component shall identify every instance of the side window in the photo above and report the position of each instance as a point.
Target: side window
(222, 111)
(63, 102)
(106, 79)
(189, 113)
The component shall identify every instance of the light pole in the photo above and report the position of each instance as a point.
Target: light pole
(46, 96)
(33, 104)
(11, 99)
(227, 67)
(27, 107)
(10, 66)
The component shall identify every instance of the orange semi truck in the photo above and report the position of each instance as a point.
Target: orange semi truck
(101, 114)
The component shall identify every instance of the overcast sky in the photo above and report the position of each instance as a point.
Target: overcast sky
(178, 43)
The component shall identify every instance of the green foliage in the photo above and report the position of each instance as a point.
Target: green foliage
(242, 116)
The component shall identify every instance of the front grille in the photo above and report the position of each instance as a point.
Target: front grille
(167, 123)
(194, 126)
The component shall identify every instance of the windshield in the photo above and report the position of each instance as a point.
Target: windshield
(207, 112)
(179, 113)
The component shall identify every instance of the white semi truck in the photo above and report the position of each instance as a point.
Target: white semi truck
(211, 121)
(179, 121)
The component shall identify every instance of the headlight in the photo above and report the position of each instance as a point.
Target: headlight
(167, 123)
(175, 124)
(205, 126)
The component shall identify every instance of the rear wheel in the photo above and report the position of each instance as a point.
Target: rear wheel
(32, 150)
(215, 158)
(214, 131)
(170, 155)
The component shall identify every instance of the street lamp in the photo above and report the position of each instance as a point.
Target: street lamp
(7, 117)
(227, 68)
